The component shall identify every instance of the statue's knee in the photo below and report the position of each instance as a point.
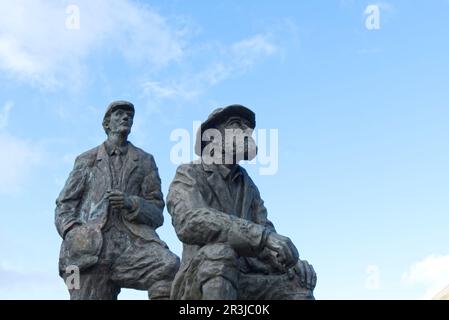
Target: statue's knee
(160, 290)
(172, 264)
(219, 288)
(217, 260)
(219, 252)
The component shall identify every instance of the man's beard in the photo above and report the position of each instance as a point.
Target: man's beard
(245, 151)
(121, 132)
(232, 152)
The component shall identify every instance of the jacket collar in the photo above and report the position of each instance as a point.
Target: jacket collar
(103, 154)
(111, 149)
(223, 171)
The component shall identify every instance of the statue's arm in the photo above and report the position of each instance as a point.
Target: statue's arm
(197, 223)
(148, 207)
(260, 214)
(267, 254)
(67, 204)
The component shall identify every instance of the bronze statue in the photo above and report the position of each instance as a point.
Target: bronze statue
(231, 249)
(107, 214)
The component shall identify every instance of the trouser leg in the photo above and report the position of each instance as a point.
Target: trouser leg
(160, 290)
(219, 288)
(146, 266)
(217, 273)
(93, 284)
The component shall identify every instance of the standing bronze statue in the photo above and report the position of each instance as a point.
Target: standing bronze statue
(107, 214)
(231, 249)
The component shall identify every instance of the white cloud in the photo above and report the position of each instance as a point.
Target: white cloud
(249, 51)
(23, 284)
(372, 281)
(4, 114)
(385, 6)
(432, 273)
(239, 58)
(37, 47)
(17, 162)
(443, 294)
(28, 283)
(170, 90)
(233, 60)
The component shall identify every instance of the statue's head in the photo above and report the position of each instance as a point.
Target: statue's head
(227, 135)
(119, 117)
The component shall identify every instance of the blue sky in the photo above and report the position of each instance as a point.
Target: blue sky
(362, 115)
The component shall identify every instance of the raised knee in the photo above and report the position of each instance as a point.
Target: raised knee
(217, 260)
(219, 251)
(171, 264)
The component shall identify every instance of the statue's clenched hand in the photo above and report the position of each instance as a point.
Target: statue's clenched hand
(119, 200)
(284, 249)
(306, 274)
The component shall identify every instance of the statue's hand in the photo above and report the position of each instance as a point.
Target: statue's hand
(119, 200)
(306, 274)
(285, 251)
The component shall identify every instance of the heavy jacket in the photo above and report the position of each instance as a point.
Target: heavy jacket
(82, 199)
(204, 212)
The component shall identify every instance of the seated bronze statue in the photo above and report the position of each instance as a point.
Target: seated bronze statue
(107, 214)
(230, 248)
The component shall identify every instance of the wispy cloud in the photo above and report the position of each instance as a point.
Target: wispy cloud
(443, 294)
(168, 90)
(21, 283)
(38, 48)
(385, 6)
(19, 158)
(232, 60)
(10, 276)
(17, 163)
(432, 273)
(4, 114)
(249, 51)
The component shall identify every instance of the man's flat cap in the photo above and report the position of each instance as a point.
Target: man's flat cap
(119, 104)
(221, 115)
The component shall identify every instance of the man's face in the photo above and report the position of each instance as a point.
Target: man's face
(237, 139)
(121, 121)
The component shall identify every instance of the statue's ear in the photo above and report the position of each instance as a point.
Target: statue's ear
(106, 125)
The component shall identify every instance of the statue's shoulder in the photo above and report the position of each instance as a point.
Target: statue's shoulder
(192, 168)
(191, 173)
(141, 154)
(87, 159)
(248, 179)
